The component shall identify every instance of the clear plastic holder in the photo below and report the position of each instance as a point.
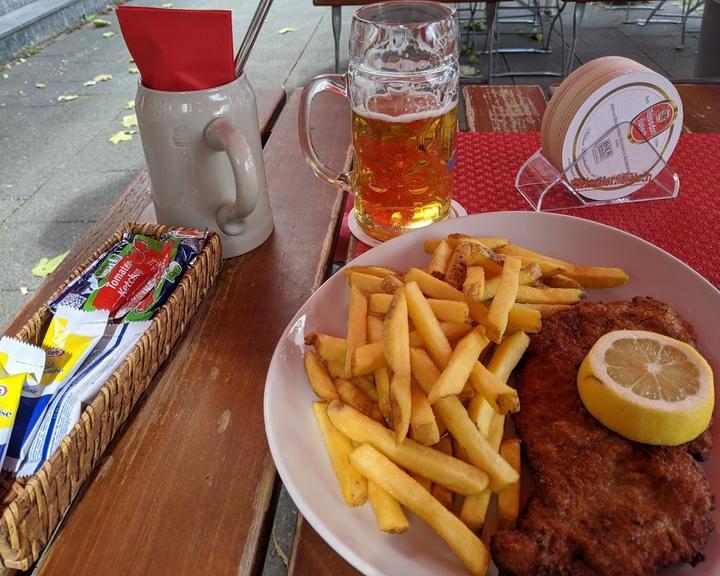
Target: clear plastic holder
(548, 189)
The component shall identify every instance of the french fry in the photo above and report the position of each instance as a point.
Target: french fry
(532, 295)
(429, 463)
(366, 282)
(444, 310)
(462, 360)
(442, 494)
(330, 348)
(474, 510)
(356, 397)
(466, 545)
(520, 318)
(422, 419)
(509, 498)
(456, 418)
(367, 385)
(528, 274)
(474, 285)
(480, 453)
(546, 309)
(507, 355)
(455, 273)
(353, 485)
(453, 331)
(433, 287)
(440, 260)
(424, 482)
(476, 254)
(319, 379)
(397, 354)
(368, 358)
(392, 284)
(356, 326)
(388, 512)
(562, 281)
(336, 369)
(380, 271)
(500, 396)
(497, 318)
(491, 242)
(588, 276)
(427, 325)
(382, 377)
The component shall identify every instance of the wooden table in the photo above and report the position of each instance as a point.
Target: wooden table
(186, 487)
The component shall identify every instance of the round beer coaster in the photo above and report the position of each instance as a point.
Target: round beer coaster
(456, 211)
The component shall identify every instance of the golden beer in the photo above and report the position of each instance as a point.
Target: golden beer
(403, 167)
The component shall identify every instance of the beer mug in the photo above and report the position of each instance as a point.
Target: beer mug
(402, 83)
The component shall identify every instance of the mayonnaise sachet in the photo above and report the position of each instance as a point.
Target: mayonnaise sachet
(65, 408)
(70, 338)
(20, 363)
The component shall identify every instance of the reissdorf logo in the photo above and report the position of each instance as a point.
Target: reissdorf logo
(652, 121)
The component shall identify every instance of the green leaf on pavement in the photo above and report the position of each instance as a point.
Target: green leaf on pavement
(40, 84)
(130, 105)
(167, 5)
(100, 23)
(133, 70)
(102, 77)
(6, 76)
(47, 265)
(122, 136)
(129, 121)
(23, 290)
(67, 97)
(89, 83)
(108, 34)
(286, 30)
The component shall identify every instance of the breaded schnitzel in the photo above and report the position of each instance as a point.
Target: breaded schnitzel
(600, 504)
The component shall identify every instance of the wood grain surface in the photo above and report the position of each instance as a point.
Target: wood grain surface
(186, 486)
(701, 106)
(127, 207)
(504, 108)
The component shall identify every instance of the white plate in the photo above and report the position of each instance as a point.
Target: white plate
(295, 440)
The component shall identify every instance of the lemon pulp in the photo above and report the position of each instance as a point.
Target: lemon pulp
(647, 387)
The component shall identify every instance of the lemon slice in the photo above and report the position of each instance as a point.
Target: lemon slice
(647, 387)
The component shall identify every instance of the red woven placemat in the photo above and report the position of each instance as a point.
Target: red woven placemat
(687, 226)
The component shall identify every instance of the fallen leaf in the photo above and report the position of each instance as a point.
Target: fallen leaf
(6, 76)
(467, 70)
(40, 84)
(167, 5)
(108, 34)
(67, 97)
(286, 30)
(133, 70)
(102, 77)
(46, 266)
(100, 23)
(23, 290)
(129, 121)
(122, 136)
(130, 105)
(89, 83)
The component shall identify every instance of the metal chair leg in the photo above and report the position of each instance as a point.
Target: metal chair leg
(578, 13)
(336, 27)
(491, 12)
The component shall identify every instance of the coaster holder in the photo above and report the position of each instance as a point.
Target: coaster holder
(547, 189)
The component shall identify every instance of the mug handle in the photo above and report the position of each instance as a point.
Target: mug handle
(336, 83)
(221, 134)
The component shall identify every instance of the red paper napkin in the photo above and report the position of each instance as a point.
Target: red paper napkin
(178, 50)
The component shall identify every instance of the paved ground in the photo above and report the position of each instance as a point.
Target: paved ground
(59, 171)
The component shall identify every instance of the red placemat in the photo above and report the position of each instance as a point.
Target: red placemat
(687, 226)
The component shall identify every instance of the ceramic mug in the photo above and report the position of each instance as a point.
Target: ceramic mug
(204, 158)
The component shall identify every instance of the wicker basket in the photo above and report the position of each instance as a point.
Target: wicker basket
(33, 508)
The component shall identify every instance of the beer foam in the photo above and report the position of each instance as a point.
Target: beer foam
(422, 106)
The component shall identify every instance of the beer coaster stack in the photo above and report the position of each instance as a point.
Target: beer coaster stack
(611, 126)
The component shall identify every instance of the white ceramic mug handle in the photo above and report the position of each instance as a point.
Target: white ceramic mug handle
(221, 134)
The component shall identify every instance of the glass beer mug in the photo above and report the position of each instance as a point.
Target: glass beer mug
(402, 83)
